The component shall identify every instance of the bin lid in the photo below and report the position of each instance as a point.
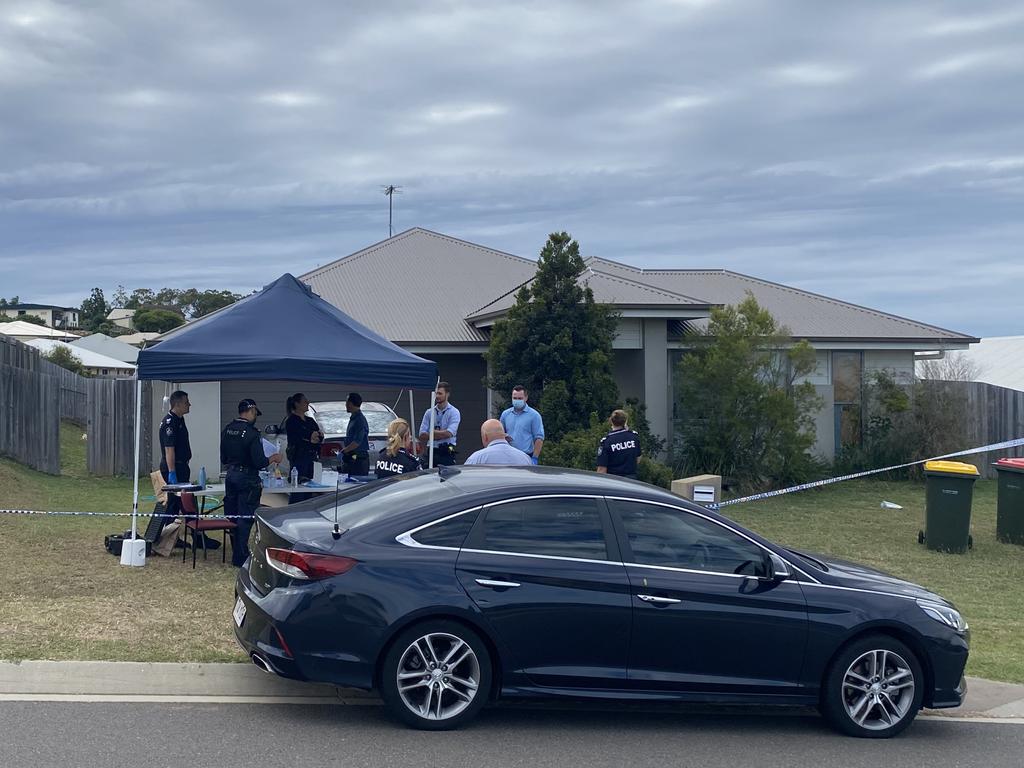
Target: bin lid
(951, 467)
(1013, 464)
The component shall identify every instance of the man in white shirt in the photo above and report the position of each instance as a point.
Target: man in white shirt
(496, 450)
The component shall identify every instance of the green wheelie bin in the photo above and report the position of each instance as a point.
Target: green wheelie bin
(1010, 501)
(949, 489)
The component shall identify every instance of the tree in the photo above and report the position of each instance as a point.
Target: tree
(94, 310)
(742, 413)
(156, 320)
(34, 319)
(65, 358)
(11, 302)
(120, 297)
(557, 342)
(198, 303)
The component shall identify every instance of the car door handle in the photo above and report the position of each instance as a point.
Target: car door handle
(659, 600)
(495, 584)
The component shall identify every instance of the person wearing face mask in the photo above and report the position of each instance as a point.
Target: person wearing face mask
(397, 458)
(446, 428)
(241, 453)
(523, 424)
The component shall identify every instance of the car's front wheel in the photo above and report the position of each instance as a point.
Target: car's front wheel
(873, 688)
(436, 675)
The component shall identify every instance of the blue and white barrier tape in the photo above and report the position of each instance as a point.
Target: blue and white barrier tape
(830, 480)
(753, 497)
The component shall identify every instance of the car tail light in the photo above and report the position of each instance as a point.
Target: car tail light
(307, 566)
(329, 450)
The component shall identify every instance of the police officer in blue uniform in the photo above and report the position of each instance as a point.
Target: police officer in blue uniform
(175, 454)
(446, 428)
(396, 458)
(619, 449)
(241, 452)
(355, 455)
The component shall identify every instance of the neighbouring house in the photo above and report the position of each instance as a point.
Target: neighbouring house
(122, 318)
(109, 346)
(65, 318)
(25, 332)
(439, 297)
(94, 363)
(996, 360)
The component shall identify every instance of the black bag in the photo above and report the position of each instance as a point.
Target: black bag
(114, 542)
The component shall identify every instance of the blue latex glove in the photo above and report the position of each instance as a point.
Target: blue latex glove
(172, 478)
(534, 460)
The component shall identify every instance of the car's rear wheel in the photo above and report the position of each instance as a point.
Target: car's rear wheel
(436, 675)
(873, 688)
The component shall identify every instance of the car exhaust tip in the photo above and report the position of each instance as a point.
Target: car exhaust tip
(262, 663)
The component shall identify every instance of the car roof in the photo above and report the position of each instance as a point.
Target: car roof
(339, 405)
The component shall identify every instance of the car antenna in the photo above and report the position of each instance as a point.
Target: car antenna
(336, 533)
(445, 471)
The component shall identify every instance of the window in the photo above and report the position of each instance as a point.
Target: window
(450, 533)
(556, 527)
(678, 539)
(847, 378)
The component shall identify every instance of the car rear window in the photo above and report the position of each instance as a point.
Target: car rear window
(369, 502)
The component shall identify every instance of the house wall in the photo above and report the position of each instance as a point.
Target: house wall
(898, 361)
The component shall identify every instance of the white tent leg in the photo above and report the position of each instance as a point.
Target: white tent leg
(133, 551)
(433, 422)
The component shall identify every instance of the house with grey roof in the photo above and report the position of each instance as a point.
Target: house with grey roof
(109, 346)
(439, 297)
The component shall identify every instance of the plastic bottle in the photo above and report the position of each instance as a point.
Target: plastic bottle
(264, 478)
(293, 477)
(202, 477)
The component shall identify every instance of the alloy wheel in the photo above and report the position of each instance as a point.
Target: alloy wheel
(438, 676)
(878, 689)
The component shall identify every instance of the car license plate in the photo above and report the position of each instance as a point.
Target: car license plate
(239, 612)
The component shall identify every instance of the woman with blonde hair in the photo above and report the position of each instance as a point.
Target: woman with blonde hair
(396, 458)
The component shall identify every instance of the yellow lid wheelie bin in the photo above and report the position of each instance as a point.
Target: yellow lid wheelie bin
(949, 490)
(1010, 501)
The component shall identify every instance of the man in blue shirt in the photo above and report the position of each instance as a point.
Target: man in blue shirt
(496, 450)
(523, 424)
(446, 428)
(355, 456)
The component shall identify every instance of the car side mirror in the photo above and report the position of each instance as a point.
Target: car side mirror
(778, 569)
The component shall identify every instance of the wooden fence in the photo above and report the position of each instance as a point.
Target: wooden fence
(30, 418)
(994, 414)
(111, 427)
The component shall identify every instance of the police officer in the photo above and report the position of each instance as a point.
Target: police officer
(355, 456)
(241, 452)
(397, 458)
(175, 454)
(446, 428)
(619, 449)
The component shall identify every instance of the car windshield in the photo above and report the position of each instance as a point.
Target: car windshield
(336, 422)
(369, 502)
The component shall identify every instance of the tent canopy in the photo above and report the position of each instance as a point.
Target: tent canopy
(284, 332)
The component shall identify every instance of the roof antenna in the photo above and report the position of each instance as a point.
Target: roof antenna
(336, 533)
(391, 190)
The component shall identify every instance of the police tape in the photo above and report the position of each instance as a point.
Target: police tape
(714, 505)
(831, 480)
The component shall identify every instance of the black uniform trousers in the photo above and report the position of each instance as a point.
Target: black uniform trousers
(241, 497)
(173, 508)
(360, 467)
(444, 455)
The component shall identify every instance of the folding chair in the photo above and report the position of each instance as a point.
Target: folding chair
(197, 526)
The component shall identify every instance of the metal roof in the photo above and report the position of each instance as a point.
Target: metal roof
(109, 346)
(89, 358)
(998, 360)
(807, 315)
(18, 328)
(418, 286)
(608, 288)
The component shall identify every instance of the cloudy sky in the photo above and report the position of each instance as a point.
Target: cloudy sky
(869, 150)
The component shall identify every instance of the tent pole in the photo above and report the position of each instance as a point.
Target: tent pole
(412, 416)
(131, 551)
(433, 421)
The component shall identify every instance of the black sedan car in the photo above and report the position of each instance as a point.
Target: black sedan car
(446, 589)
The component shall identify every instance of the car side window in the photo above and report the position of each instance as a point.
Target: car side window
(450, 533)
(678, 539)
(556, 527)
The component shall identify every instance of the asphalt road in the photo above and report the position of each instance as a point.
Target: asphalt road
(91, 735)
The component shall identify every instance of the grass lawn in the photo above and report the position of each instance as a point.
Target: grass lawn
(845, 520)
(64, 597)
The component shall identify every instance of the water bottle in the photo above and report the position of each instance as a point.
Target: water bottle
(202, 477)
(293, 476)
(264, 478)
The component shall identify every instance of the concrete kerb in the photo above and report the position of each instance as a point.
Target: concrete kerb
(95, 680)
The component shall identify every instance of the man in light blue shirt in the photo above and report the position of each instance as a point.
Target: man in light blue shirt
(446, 427)
(523, 424)
(496, 450)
